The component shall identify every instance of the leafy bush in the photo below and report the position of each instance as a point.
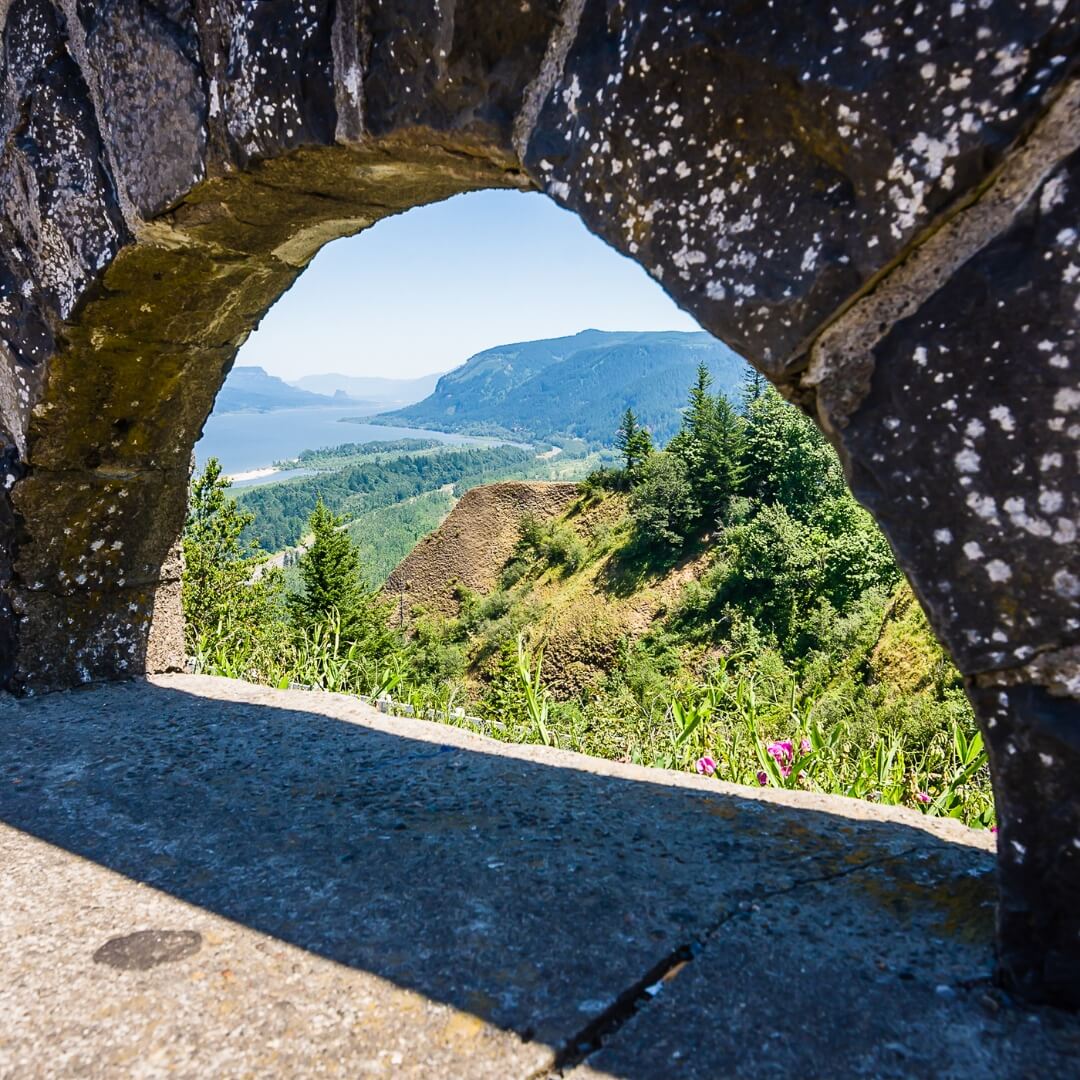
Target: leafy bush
(661, 503)
(552, 542)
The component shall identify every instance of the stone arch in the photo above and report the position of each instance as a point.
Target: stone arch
(875, 203)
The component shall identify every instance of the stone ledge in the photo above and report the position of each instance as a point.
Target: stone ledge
(336, 891)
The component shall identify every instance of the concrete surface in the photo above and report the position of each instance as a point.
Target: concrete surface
(204, 878)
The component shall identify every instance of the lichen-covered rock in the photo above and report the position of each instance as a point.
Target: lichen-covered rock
(764, 165)
(875, 202)
(990, 363)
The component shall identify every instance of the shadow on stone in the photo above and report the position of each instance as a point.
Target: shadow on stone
(569, 901)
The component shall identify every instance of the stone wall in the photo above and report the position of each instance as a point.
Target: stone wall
(875, 203)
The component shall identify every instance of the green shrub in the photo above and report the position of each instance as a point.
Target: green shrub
(662, 506)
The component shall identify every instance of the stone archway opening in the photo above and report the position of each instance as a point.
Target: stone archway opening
(112, 460)
(169, 168)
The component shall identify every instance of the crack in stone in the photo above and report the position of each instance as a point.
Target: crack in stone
(1055, 667)
(76, 44)
(551, 69)
(637, 997)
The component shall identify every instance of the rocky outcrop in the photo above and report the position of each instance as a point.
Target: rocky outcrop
(876, 204)
(472, 545)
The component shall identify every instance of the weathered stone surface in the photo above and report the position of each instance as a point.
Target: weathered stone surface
(815, 982)
(167, 169)
(145, 60)
(764, 165)
(991, 359)
(209, 878)
(462, 68)
(1034, 743)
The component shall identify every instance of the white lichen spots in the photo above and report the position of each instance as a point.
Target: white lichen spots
(1047, 759)
(1067, 399)
(967, 461)
(919, 356)
(1050, 502)
(983, 505)
(1053, 193)
(997, 570)
(943, 536)
(973, 550)
(571, 95)
(1066, 584)
(1004, 417)
(1065, 533)
(975, 428)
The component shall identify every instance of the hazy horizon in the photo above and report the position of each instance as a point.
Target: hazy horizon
(419, 293)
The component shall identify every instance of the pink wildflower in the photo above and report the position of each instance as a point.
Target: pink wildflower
(804, 746)
(922, 797)
(705, 765)
(993, 828)
(762, 778)
(782, 751)
(785, 771)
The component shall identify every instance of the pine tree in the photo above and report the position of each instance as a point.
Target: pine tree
(221, 588)
(754, 386)
(786, 459)
(634, 442)
(710, 444)
(333, 585)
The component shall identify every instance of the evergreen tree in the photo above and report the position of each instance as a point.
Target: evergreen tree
(333, 586)
(786, 459)
(221, 587)
(754, 386)
(662, 503)
(710, 444)
(634, 442)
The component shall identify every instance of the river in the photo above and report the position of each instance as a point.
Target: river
(246, 441)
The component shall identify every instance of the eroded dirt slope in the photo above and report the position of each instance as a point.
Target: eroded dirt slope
(471, 546)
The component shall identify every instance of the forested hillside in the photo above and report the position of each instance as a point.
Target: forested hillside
(721, 605)
(363, 482)
(574, 387)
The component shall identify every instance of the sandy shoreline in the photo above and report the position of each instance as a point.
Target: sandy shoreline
(251, 474)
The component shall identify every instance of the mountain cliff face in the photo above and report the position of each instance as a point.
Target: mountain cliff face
(574, 387)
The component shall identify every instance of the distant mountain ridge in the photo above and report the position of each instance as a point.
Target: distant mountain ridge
(369, 389)
(249, 388)
(252, 389)
(574, 387)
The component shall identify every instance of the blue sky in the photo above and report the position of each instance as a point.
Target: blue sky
(423, 291)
